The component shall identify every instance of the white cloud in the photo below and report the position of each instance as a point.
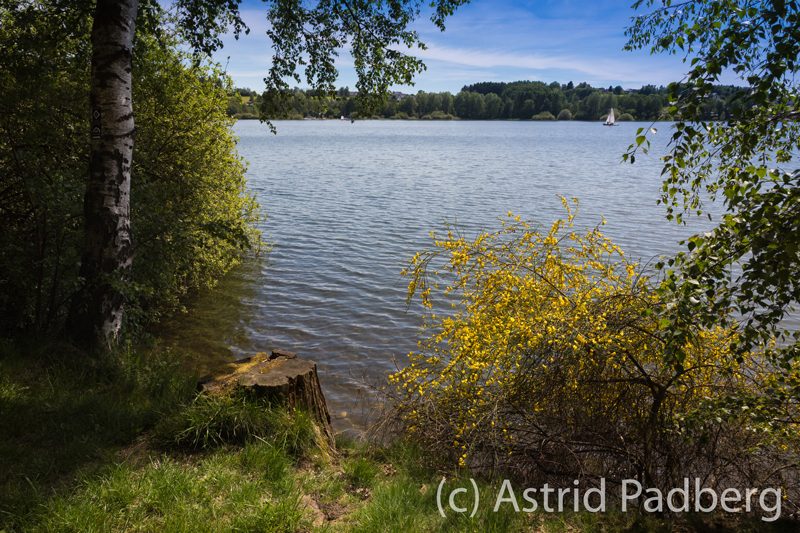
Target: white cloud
(594, 69)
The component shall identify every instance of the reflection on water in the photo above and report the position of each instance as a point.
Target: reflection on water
(214, 330)
(349, 204)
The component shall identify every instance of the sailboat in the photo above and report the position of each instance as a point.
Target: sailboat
(610, 119)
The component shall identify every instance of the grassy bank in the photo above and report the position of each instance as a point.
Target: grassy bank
(91, 445)
(65, 417)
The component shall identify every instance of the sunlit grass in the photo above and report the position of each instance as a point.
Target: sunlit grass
(241, 491)
(94, 446)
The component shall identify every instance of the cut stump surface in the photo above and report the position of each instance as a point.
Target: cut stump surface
(280, 376)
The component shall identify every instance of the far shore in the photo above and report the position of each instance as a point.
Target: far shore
(454, 119)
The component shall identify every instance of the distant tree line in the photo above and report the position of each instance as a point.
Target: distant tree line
(519, 100)
(244, 103)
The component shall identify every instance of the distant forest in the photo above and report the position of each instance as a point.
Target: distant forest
(519, 100)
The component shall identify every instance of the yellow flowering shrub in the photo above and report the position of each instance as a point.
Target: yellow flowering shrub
(543, 357)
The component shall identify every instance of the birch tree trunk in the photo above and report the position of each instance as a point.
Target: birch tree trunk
(97, 311)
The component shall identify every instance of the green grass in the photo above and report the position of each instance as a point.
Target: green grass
(207, 422)
(89, 445)
(62, 414)
(360, 471)
(220, 492)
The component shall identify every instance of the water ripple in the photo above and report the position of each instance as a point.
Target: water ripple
(349, 204)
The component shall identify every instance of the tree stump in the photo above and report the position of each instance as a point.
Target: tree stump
(283, 378)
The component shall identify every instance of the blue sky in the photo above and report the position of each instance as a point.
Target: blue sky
(496, 40)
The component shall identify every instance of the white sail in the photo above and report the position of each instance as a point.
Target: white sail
(610, 120)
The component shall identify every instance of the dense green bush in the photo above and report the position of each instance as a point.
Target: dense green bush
(544, 115)
(438, 115)
(625, 117)
(565, 114)
(547, 370)
(43, 162)
(191, 215)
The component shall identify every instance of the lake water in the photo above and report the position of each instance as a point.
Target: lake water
(349, 204)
